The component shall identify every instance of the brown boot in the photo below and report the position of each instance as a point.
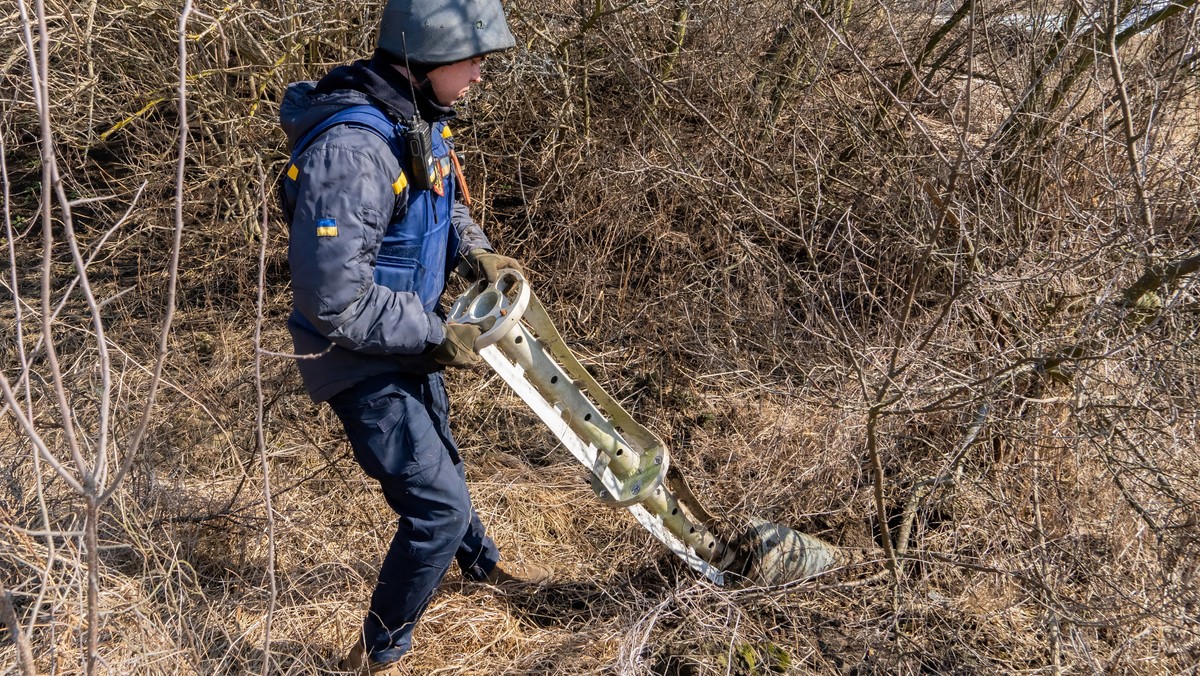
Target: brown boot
(512, 573)
(357, 662)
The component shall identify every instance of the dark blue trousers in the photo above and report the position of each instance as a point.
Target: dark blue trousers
(399, 428)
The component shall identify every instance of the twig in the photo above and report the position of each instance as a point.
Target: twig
(28, 414)
(676, 45)
(1052, 621)
(139, 433)
(881, 516)
(259, 430)
(1081, 65)
(70, 287)
(18, 324)
(942, 31)
(39, 63)
(1136, 172)
(8, 615)
(92, 552)
(914, 501)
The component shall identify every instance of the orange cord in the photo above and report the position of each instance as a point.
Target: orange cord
(462, 181)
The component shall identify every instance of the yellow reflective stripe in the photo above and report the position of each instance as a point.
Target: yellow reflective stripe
(328, 231)
(293, 172)
(446, 132)
(400, 184)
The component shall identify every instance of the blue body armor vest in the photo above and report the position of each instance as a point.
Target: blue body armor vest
(420, 246)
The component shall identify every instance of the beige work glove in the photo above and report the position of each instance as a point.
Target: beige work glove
(458, 347)
(487, 264)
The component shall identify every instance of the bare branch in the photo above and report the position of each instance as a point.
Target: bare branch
(139, 432)
(8, 616)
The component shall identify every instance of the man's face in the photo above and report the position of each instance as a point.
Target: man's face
(451, 81)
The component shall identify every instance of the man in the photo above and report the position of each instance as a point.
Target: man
(377, 225)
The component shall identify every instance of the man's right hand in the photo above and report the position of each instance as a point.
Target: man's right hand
(458, 349)
(488, 264)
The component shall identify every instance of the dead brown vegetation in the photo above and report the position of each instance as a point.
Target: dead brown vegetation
(887, 276)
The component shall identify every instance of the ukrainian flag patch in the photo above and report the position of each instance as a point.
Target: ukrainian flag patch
(327, 227)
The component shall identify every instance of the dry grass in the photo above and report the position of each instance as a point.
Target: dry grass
(740, 239)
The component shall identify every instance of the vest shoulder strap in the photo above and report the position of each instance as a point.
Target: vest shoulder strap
(363, 116)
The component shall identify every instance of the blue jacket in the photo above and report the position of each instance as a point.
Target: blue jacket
(355, 316)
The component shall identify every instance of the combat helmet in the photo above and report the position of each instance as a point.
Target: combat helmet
(435, 32)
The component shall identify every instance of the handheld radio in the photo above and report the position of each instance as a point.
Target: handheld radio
(418, 138)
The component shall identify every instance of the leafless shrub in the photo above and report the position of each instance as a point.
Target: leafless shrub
(918, 279)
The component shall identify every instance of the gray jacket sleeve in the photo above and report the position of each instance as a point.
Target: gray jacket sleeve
(344, 200)
(470, 235)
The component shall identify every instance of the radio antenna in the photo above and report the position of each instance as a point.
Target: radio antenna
(418, 136)
(408, 70)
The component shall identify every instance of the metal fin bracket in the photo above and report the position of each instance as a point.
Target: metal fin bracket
(629, 465)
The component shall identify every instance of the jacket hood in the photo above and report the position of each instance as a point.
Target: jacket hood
(303, 108)
(372, 82)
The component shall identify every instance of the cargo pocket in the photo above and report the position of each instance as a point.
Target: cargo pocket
(440, 403)
(397, 274)
(392, 437)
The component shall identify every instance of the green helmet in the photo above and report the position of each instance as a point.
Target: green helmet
(443, 31)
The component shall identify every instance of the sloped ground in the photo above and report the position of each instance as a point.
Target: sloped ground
(786, 272)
